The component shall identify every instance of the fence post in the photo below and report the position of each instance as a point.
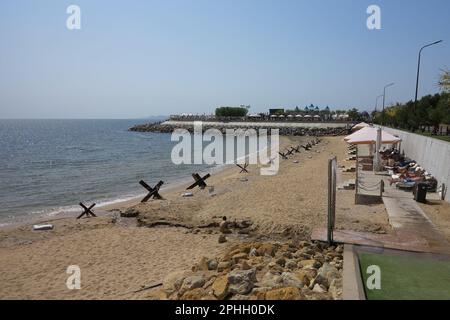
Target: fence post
(331, 198)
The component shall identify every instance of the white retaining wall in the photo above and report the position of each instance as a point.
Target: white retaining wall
(430, 153)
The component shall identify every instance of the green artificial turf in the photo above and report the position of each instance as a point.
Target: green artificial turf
(407, 278)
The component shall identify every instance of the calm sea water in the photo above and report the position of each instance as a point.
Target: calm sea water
(48, 166)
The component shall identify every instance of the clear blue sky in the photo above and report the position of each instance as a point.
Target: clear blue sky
(141, 58)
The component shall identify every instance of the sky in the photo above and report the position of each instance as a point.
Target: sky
(134, 59)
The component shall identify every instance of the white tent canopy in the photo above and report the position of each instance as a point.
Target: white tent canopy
(360, 126)
(368, 135)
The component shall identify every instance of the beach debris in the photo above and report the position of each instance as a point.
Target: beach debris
(249, 271)
(243, 179)
(243, 168)
(87, 211)
(295, 161)
(199, 181)
(42, 227)
(211, 191)
(224, 226)
(129, 213)
(187, 194)
(152, 192)
(222, 238)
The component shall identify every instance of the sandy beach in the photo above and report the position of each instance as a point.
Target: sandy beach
(118, 256)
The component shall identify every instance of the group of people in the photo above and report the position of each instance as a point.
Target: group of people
(406, 173)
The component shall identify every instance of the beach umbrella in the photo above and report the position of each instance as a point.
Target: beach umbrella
(280, 116)
(368, 135)
(290, 116)
(360, 126)
(299, 116)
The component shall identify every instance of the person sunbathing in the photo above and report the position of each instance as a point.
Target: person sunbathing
(406, 177)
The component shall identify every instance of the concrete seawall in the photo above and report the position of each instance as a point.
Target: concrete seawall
(432, 154)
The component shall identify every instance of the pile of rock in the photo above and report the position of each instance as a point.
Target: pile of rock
(263, 270)
(284, 131)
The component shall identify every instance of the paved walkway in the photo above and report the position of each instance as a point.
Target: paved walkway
(413, 230)
(407, 218)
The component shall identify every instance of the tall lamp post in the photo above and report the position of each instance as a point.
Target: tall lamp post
(376, 102)
(384, 99)
(376, 105)
(418, 71)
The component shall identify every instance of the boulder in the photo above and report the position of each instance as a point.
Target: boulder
(224, 265)
(244, 265)
(238, 257)
(241, 281)
(260, 293)
(220, 287)
(212, 264)
(173, 281)
(281, 262)
(202, 265)
(290, 264)
(326, 274)
(271, 280)
(267, 249)
(306, 275)
(222, 238)
(192, 282)
(335, 288)
(310, 264)
(195, 294)
(291, 280)
(288, 293)
(319, 288)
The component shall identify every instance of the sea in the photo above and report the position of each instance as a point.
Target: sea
(48, 166)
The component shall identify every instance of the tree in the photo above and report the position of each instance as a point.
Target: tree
(353, 114)
(231, 112)
(444, 81)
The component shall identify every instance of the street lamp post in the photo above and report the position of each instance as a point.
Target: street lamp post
(384, 99)
(376, 102)
(418, 69)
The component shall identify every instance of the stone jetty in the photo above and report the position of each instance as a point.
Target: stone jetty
(286, 129)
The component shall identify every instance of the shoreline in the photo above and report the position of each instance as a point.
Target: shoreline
(102, 207)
